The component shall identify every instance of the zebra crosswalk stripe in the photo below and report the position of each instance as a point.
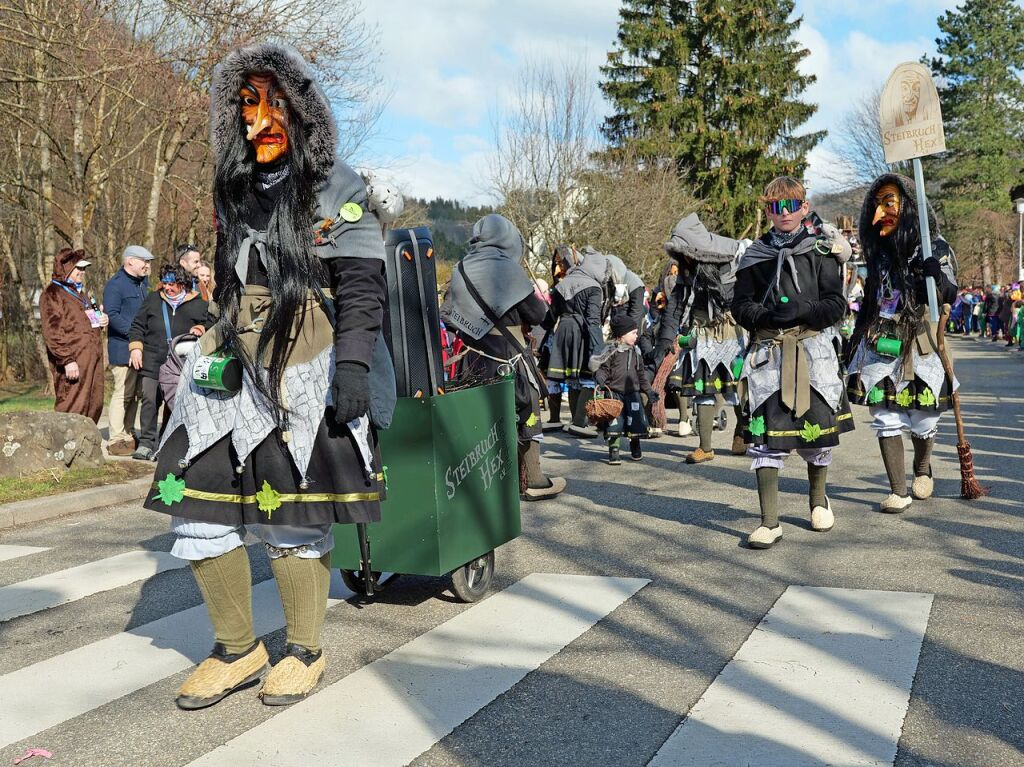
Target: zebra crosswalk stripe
(825, 678)
(74, 583)
(10, 551)
(98, 673)
(400, 705)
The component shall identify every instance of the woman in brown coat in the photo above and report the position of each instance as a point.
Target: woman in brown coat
(72, 328)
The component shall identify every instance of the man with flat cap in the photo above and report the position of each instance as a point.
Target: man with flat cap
(122, 297)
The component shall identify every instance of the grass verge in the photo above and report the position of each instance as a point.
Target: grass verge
(52, 482)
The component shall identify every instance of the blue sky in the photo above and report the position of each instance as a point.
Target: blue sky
(449, 64)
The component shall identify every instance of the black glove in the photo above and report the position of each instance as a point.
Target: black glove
(654, 397)
(350, 390)
(932, 268)
(785, 315)
(662, 350)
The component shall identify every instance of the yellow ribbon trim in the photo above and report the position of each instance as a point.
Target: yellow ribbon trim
(829, 430)
(202, 495)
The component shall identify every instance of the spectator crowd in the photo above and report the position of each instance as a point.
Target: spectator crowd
(142, 326)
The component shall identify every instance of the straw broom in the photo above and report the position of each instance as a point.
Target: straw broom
(970, 488)
(658, 414)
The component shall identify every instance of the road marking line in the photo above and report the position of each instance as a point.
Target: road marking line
(80, 680)
(825, 678)
(8, 551)
(65, 586)
(397, 707)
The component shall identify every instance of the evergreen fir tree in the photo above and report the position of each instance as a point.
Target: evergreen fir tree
(713, 86)
(981, 55)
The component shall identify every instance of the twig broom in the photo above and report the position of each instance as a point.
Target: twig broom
(970, 488)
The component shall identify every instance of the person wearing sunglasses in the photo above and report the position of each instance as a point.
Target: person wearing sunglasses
(172, 310)
(789, 296)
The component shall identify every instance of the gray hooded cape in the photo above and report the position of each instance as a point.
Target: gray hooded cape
(492, 265)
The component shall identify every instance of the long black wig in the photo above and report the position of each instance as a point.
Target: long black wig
(891, 254)
(293, 269)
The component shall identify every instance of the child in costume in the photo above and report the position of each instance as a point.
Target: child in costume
(895, 368)
(284, 446)
(620, 368)
(701, 303)
(789, 296)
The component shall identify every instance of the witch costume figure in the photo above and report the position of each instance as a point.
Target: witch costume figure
(628, 298)
(789, 296)
(274, 426)
(576, 317)
(895, 367)
(489, 303)
(702, 303)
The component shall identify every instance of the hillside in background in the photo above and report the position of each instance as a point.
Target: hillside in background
(846, 202)
(450, 222)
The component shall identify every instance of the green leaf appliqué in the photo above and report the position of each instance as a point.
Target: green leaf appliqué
(875, 395)
(905, 398)
(718, 384)
(699, 385)
(757, 427)
(171, 489)
(810, 432)
(926, 397)
(268, 498)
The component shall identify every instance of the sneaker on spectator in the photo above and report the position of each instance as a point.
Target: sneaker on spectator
(144, 454)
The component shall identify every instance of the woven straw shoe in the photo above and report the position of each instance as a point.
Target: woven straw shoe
(293, 677)
(822, 518)
(894, 504)
(764, 537)
(922, 487)
(700, 456)
(220, 675)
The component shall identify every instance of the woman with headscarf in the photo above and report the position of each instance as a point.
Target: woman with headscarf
(274, 426)
(577, 307)
(72, 325)
(895, 368)
(489, 303)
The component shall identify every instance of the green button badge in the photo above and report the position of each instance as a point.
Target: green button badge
(351, 212)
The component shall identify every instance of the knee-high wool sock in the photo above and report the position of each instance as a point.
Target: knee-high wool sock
(922, 455)
(226, 584)
(817, 477)
(895, 467)
(768, 495)
(705, 424)
(303, 584)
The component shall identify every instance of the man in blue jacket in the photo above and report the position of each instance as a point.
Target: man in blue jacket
(122, 297)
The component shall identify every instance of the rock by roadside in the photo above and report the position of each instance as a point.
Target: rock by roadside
(36, 441)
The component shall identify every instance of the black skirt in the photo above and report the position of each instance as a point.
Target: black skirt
(917, 395)
(570, 349)
(690, 382)
(268, 490)
(773, 425)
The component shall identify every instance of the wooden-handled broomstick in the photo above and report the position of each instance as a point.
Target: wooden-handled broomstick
(970, 488)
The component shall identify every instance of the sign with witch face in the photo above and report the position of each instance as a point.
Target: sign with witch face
(910, 117)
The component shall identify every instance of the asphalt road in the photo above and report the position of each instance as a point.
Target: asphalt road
(615, 694)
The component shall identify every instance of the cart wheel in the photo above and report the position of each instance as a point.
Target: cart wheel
(471, 581)
(722, 420)
(354, 581)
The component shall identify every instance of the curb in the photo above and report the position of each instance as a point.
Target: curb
(53, 506)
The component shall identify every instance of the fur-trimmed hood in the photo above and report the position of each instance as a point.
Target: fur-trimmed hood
(305, 97)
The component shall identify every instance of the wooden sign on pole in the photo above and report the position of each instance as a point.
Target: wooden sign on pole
(909, 114)
(910, 120)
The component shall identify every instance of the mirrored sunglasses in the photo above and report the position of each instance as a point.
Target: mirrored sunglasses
(776, 207)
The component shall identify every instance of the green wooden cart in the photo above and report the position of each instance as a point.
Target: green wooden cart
(451, 470)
